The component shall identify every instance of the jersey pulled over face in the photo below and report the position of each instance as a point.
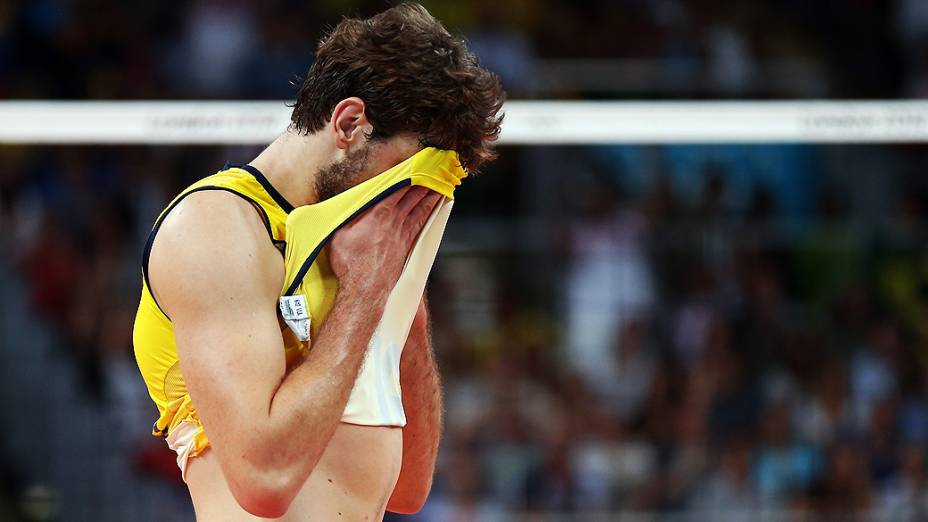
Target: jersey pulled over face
(309, 289)
(310, 286)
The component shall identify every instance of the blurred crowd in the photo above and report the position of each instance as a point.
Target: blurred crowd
(717, 331)
(706, 353)
(724, 330)
(106, 49)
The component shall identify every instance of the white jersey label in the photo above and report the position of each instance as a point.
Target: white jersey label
(296, 315)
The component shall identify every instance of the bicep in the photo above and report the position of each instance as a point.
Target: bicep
(218, 278)
(232, 363)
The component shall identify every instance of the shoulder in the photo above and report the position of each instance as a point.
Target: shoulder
(211, 209)
(213, 243)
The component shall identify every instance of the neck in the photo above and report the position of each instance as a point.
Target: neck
(290, 163)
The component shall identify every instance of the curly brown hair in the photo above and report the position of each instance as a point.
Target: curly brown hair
(413, 76)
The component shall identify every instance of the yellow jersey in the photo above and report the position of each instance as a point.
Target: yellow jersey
(309, 287)
(153, 334)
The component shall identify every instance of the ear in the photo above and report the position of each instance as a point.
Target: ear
(349, 123)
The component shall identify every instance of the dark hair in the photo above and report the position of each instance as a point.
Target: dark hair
(413, 77)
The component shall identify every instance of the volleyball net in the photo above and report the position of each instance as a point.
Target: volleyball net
(526, 123)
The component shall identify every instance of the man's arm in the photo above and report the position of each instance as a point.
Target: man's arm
(422, 402)
(218, 278)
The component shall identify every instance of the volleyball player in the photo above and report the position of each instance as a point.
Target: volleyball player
(258, 434)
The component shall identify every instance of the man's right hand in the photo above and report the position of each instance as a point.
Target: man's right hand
(368, 253)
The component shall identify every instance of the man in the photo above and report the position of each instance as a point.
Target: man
(258, 433)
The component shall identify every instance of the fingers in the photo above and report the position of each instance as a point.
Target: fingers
(420, 214)
(410, 199)
(393, 200)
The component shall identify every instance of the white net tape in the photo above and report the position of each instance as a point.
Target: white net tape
(527, 122)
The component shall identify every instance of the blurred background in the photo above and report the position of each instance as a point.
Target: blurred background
(676, 332)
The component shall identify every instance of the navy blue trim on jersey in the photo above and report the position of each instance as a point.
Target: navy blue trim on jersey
(315, 253)
(275, 195)
(154, 231)
(158, 432)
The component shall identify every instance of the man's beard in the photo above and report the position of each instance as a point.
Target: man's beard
(342, 175)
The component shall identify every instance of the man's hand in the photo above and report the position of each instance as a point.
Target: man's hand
(369, 253)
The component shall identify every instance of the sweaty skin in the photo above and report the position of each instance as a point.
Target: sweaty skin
(277, 447)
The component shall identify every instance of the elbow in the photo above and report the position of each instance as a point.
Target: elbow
(264, 493)
(262, 483)
(409, 502)
(406, 507)
(264, 504)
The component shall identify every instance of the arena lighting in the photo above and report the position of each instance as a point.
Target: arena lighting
(527, 122)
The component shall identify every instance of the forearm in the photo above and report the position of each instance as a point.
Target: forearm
(422, 402)
(308, 404)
